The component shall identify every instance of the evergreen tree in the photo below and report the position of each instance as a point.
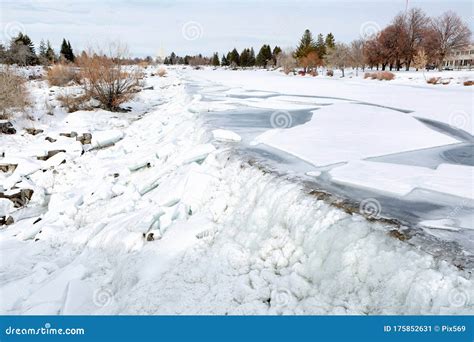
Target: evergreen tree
(321, 46)
(42, 49)
(66, 51)
(72, 58)
(22, 50)
(234, 57)
(245, 58)
(330, 41)
(276, 51)
(252, 59)
(264, 55)
(224, 61)
(50, 55)
(306, 46)
(166, 61)
(215, 60)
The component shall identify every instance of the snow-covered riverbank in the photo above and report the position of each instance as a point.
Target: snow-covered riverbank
(169, 220)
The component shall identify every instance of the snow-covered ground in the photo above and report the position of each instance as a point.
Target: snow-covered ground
(165, 213)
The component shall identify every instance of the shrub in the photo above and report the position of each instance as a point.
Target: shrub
(161, 72)
(61, 75)
(468, 83)
(107, 79)
(385, 75)
(433, 80)
(13, 93)
(380, 75)
(330, 73)
(74, 102)
(313, 73)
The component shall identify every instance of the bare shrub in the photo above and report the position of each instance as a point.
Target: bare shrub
(161, 72)
(286, 61)
(385, 76)
(468, 83)
(330, 73)
(74, 102)
(107, 79)
(62, 75)
(433, 80)
(380, 75)
(13, 93)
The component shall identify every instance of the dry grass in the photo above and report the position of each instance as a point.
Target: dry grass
(468, 83)
(14, 95)
(380, 75)
(62, 75)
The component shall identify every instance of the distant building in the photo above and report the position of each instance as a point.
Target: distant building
(460, 59)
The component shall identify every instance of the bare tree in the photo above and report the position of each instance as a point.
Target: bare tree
(286, 61)
(339, 57)
(449, 33)
(357, 58)
(416, 22)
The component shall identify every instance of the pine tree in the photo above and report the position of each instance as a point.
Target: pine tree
(22, 50)
(66, 51)
(306, 46)
(50, 55)
(224, 61)
(71, 58)
(275, 53)
(252, 59)
(321, 46)
(234, 57)
(264, 56)
(215, 60)
(330, 41)
(244, 58)
(42, 48)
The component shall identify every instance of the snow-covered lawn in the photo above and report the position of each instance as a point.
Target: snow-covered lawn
(159, 215)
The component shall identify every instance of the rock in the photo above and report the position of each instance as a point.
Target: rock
(6, 127)
(19, 197)
(85, 139)
(69, 135)
(51, 140)
(33, 131)
(8, 167)
(50, 154)
(6, 220)
(150, 237)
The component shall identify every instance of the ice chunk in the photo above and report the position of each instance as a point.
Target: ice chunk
(198, 153)
(165, 151)
(5, 206)
(106, 138)
(225, 135)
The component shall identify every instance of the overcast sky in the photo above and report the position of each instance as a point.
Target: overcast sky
(188, 27)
